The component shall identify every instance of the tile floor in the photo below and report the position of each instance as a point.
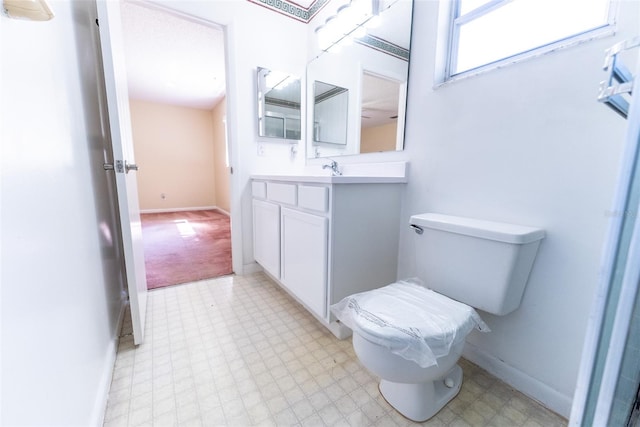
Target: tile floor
(239, 351)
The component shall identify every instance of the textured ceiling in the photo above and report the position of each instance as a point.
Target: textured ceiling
(172, 60)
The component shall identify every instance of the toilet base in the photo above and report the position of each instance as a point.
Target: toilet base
(421, 401)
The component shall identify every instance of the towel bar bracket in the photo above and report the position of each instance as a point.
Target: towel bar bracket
(619, 82)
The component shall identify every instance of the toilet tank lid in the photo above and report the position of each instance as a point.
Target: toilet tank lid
(491, 230)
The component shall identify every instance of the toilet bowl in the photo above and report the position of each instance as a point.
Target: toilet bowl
(411, 333)
(410, 337)
(417, 393)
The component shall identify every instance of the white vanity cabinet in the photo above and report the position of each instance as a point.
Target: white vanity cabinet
(324, 238)
(304, 257)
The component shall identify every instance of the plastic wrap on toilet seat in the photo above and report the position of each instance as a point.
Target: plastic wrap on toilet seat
(412, 321)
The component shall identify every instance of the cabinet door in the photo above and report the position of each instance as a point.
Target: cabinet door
(304, 258)
(266, 236)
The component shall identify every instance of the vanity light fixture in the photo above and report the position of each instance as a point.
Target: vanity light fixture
(350, 21)
(277, 80)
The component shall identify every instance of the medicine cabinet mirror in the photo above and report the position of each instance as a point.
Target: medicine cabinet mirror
(279, 96)
(373, 70)
(330, 113)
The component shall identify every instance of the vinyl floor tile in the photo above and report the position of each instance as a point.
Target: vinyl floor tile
(237, 350)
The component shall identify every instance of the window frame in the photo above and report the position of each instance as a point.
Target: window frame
(455, 22)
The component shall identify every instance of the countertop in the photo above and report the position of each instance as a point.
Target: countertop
(329, 179)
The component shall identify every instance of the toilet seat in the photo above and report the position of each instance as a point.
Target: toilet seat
(410, 320)
(424, 320)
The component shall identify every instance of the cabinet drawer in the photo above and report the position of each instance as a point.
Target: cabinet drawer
(283, 193)
(259, 189)
(315, 198)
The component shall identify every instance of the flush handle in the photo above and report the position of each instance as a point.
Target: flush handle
(417, 229)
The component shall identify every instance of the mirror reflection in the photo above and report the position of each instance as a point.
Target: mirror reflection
(279, 96)
(379, 114)
(330, 113)
(373, 68)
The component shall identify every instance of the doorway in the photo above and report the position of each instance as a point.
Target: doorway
(176, 78)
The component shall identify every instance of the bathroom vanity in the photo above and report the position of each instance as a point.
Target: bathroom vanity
(326, 237)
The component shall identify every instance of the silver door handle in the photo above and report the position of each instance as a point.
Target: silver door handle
(130, 167)
(119, 168)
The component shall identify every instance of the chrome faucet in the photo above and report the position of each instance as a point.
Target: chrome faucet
(334, 167)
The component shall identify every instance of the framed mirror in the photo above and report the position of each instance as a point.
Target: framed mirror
(279, 112)
(330, 114)
(373, 68)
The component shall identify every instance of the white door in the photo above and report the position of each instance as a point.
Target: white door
(126, 184)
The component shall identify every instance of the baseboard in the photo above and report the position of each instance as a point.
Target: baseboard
(102, 395)
(533, 388)
(250, 268)
(222, 211)
(197, 208)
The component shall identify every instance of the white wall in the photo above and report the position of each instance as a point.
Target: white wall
(218, 119)
(61, 282)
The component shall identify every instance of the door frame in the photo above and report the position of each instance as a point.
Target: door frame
(235, 193)
(611, 314)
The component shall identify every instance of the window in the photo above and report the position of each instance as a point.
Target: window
(485, 33)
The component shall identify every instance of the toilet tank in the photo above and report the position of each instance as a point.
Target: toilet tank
(484, 264)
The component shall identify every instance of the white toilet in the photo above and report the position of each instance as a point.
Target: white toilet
(411, 333)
